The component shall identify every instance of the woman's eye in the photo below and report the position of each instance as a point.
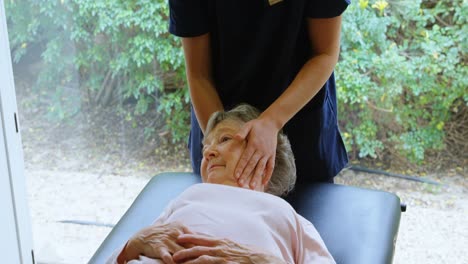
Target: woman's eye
(224, 138)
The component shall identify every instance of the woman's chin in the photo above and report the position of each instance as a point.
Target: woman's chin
(222, 180)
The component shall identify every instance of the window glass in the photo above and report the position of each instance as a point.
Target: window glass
(102, 108)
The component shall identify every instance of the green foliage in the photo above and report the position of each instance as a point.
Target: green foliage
(402, 73)
(113, 49)
(175, 105)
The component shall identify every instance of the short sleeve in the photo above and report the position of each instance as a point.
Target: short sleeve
(326, 8)
(188, 18)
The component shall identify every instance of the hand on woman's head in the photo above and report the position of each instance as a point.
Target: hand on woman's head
(221, 153)
(257, 162)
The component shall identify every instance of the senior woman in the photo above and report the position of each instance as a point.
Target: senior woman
(218, 221)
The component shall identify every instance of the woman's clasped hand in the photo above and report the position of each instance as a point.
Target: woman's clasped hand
(174, 243)
(206, 249)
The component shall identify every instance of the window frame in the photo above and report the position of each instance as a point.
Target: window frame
(15, 226)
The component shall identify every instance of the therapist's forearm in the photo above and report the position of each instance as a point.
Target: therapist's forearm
(304, 87)
(205, 99)
(324, 36)
(198, 67)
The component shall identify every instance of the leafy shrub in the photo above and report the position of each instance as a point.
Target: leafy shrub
(113, 49)
(401, 76)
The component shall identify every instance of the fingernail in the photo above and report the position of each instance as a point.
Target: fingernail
(237, 175)
(241, 182)
(253, 185)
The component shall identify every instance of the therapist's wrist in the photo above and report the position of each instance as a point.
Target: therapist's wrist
(274, 120)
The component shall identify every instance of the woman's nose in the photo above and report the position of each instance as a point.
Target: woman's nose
(210, 152)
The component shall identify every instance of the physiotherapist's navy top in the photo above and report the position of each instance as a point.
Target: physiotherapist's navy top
(257, 50)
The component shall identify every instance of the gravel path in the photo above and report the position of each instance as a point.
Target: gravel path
(434, 229)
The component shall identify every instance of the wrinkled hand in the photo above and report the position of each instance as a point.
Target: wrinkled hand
(209, 250)
(257, 162)
(157, 242)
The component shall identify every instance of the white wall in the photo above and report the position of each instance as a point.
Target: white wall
(15, 227)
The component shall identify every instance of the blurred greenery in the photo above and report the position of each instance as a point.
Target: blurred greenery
(113, 49)
(402, 74)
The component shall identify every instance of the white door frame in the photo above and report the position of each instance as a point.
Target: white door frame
(15, 226)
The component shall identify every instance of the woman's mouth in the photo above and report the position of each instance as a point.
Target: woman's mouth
(215, 166)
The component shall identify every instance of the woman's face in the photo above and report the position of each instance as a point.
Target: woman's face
(221, 152)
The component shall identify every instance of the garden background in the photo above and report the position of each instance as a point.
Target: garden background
(102, 99)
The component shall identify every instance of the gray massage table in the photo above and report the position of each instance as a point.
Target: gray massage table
(359, 226)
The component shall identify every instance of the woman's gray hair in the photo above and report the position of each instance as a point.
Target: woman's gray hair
(284, 174)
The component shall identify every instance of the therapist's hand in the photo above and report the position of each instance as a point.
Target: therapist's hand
(257, 162)
(155, 241)
(209, 250)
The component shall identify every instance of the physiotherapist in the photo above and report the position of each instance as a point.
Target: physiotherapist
(277, 55)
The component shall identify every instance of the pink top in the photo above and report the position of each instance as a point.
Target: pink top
(250, 218)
